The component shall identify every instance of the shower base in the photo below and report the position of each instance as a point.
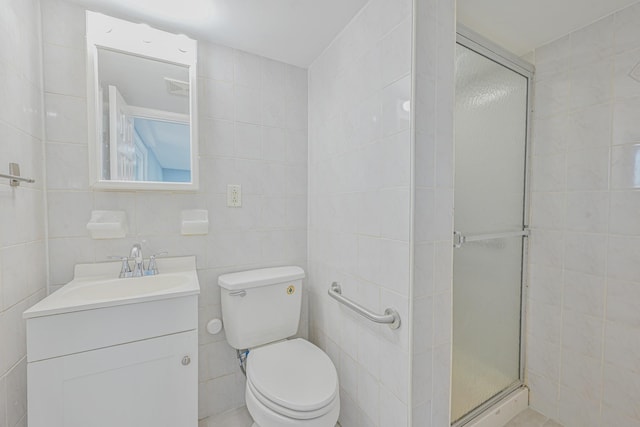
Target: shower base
(473, 381)
(505, 410)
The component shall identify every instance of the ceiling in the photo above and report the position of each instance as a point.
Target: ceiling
(523, 25)
(297, 31)
(292, 31)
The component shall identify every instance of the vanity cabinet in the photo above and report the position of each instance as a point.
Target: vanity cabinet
(104, 352)
(145, 383)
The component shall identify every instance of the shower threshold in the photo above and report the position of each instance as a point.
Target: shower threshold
(501, 412)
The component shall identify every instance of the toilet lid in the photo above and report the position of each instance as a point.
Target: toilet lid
(294, 374)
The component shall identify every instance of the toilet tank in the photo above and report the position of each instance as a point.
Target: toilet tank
(261, 306)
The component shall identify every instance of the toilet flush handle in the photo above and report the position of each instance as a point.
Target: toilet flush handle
(241, 293)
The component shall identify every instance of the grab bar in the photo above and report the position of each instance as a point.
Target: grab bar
(14, 175)
(390, 316)
(459, 239)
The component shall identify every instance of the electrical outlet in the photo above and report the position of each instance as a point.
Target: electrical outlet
(234, 195)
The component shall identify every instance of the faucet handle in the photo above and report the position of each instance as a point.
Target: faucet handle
(152, 269)
(125, 270)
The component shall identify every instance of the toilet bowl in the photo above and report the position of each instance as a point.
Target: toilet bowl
(292, 383)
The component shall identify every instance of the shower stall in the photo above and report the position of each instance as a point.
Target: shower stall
(492, 108)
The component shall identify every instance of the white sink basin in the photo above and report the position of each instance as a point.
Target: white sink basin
(97, 285)
(112, 289)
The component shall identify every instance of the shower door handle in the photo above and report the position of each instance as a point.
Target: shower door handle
(460, 239)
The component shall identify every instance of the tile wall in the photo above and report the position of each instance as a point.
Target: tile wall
(433, 211)
(583, 349)
(359, 208)
(253, 132)
(22, 221)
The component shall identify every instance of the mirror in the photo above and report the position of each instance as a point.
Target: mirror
(142, 106)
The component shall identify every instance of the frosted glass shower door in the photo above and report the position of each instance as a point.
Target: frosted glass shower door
(491, 130)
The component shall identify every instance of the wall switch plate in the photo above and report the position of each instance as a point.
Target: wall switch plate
(234, 195)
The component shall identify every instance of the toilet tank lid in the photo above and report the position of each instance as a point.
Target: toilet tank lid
(262, 277)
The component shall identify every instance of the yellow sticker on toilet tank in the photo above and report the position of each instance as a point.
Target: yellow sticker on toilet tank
(291, 290)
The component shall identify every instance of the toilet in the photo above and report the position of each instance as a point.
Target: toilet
(290, 382)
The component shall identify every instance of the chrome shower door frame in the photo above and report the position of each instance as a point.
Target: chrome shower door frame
(482, 46)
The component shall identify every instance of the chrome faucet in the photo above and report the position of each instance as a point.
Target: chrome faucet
(139, 269)
(138, 261)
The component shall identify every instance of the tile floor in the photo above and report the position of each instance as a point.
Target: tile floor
(240, 418)
(531, 418)
(235, 418)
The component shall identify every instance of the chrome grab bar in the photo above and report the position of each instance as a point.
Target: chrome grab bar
(14, 175)
(390, 316)
(459, 239)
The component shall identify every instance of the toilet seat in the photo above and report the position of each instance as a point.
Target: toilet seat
(293, 378)
(286, 412)
(265, 417)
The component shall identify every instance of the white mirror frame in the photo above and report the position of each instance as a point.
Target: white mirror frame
(139, 40)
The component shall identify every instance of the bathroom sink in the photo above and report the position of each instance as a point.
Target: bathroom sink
(113, 289)
(97, 286)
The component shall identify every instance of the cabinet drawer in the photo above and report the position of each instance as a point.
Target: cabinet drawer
(69, 333)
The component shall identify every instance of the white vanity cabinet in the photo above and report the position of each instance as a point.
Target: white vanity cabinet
(144, 383)
(126, 362)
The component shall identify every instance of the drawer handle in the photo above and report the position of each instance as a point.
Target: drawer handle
(186, 360)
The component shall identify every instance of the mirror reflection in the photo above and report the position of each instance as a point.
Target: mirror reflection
(145, 130)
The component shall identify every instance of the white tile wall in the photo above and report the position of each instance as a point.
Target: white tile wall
(360, 93)
(22, 237)
(433, 212)
(583, 361)
(253, 132)
(360, 231)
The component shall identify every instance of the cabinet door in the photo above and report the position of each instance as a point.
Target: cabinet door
(141, 384)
